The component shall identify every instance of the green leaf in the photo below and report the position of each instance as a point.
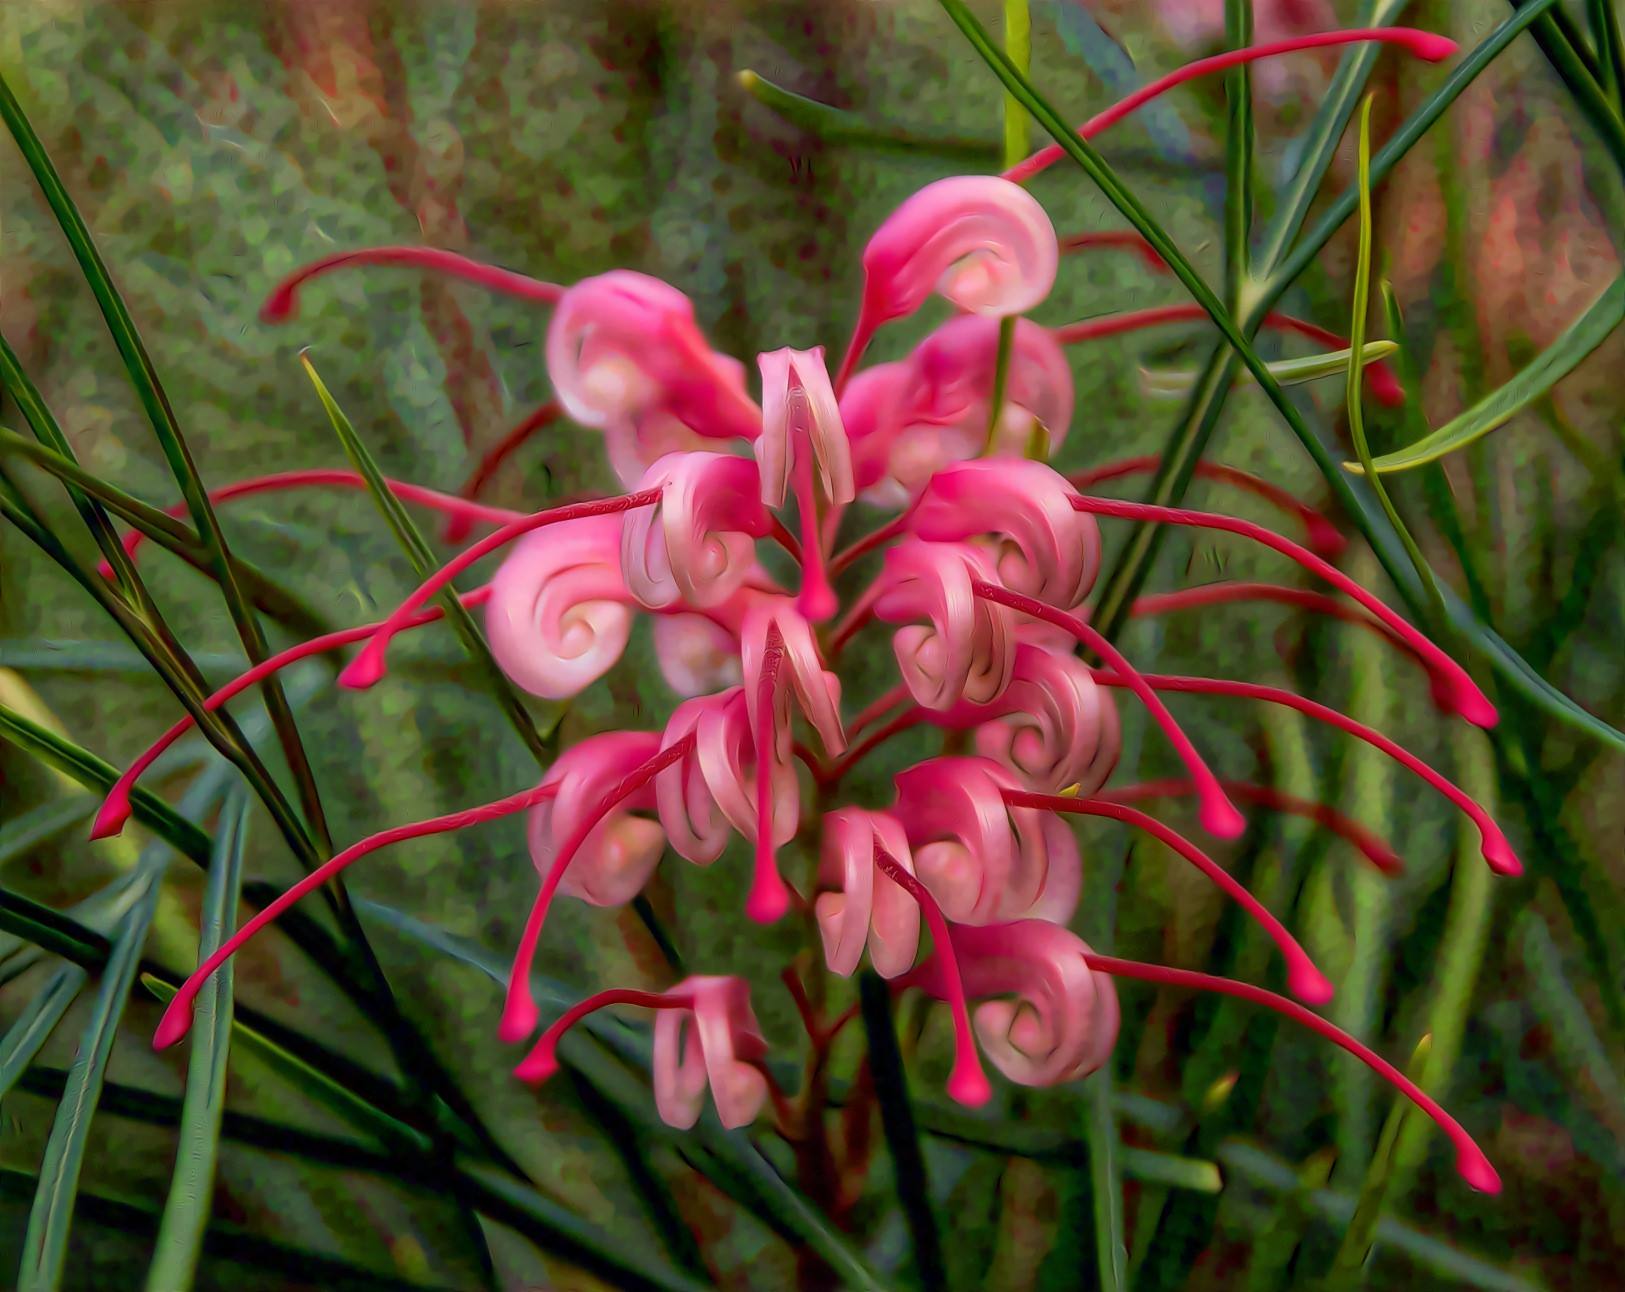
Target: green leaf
(1165, 384)
(1238, 165)
(1497, 408)
(423, 562)
(1171, 1170)
(144, 377)
(191, 1188)
(36, 1023)
(27, 919)
(1575, 1041)
(835, 126)
(897, 1122)
(22, 835)
(43, 655)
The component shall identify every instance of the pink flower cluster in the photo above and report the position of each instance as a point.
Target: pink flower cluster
(986, 566)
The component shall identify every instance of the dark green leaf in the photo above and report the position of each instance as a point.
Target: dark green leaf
(36, 1023)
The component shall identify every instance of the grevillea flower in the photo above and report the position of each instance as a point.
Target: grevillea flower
(986, 572)
(615, 860)
(560, 612)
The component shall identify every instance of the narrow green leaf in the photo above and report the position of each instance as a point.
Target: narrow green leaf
(1565, 50)
(1171, 1170)
(20, 836)
(897, 1122)
(1238, 147)
(1105, 1148)
(1604, 21)
(191, 1188)
(321, 1088)
(27, 919)
(1579, 1049)
(835, 126)
(36, 1023)
(45, 1245)
(1161, 383)
(45, 655)
(144, 377)
(1497, 408)
(423, 562)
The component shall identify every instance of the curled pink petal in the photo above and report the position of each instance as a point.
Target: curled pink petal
(696, 654)
(983, 243)
(619, 854)
(981, 859)
(715, 1042)
(727, 756)
(1051, 1019)
(817, 690)
(964, 653)
(1053, 726)
(697, 545)
(856, 911)
(560, 614)
(1021, 507)
(690, 813)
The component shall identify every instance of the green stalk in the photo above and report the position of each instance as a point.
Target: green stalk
(1238, 143)
(144, 377)
(1604, 20)
(1017, 141)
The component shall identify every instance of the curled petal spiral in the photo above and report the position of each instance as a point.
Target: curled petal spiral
(1022, 507)
(859, 909)
(696, 654)
(1054, 726)
(817, 690)
(617, 857)
(980, 859)
(965, 651)
(713, 1042)
(982, 242)
(1052, 1019)
(726, 751)
(798, 406)
(697, 545)
(560, 614)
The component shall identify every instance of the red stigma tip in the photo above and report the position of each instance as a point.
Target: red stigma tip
(365, 670)
(1308, 984)
(519, 1018)
(1220, 817)
(278, 307)
(1475, 1168)
(968, 1085)
(768, 900)
(1499, 855)
(537, 1066)
(1435, 48)
(176, 1022)
(111, 817)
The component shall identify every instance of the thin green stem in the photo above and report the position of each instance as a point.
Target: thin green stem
(1017, 129)
(1238, 193)
(1604, 20)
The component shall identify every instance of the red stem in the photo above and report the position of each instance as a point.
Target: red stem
(1306, 981)
(1471, 1163)
(368, 666)
(1384, 384)
(1323, 537)
(519, 1014)
(885, 704)
(542, 1062)
(878, 538)
(1122, 239)
(1451, 681)
(115, 809)
(333, 479)
(1217, 814)
(967, 1083)
(1374, 847)
(910, 717)
(1497, 851)
(177, 1017)
(1421, 43)
(457, 528)
(281, 303)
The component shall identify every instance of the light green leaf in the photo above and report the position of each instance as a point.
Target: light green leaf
(1497, 408)
(1163, 384)
(191, 1189)
(22, 1042)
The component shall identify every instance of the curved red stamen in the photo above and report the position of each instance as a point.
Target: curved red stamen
(457, 527)
(1384, 384)
(1375, 848)
(885, 704)
(177, 1017)
(281, 303)
(1471, 1164)
(1323, 536)
(1452, 681)
(1497, 851)
(910, 717)
(368, 666)
(542, 1062)
(768, 899)
(967, 1083)
(869, 542)
(1423, 44)
(470, 512)
(1122, 239)
(1217, 814)
(519, 1014)
(1306, 981)
(114, 812)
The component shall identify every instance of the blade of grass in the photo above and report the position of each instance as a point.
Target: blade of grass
(1604, 21)
(902, 1139)
(835, 126)
(46, 655)
(1238, 152)
(36, 1023)
(1501, 405)
(1565, 50)
(144, 377)
(424, 564)
(191, 1188)
(20, 836)
(46, 928)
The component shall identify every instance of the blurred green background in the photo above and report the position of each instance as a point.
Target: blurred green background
(213, 147)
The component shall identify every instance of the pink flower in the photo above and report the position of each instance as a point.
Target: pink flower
(560, 613)
(966, 650)
(981, 860)
(698, 544)
(1062, 1020)
(620, 853)
(862, 909)
(696, 654)
(626, 357)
